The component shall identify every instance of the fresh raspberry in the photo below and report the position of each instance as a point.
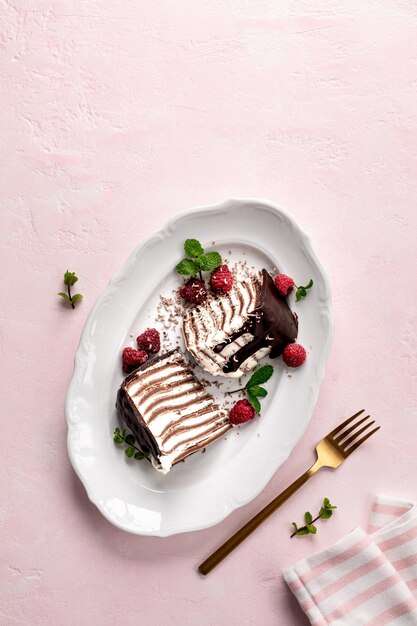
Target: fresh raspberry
(194, 291)
(221, 279)
(294, 355)
(284, 284)
(149, 341)
(241, 412)
(131, 359)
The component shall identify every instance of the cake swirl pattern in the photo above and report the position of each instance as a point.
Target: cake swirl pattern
(170, 413)
(230, 333)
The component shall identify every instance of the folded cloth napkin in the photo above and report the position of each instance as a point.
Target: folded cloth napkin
(364, 578)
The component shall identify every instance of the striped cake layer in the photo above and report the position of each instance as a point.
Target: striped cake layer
(171, 403)
(210, 324)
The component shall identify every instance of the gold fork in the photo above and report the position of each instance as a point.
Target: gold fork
(331, 452)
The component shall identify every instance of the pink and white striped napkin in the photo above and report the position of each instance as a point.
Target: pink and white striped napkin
(364, 578)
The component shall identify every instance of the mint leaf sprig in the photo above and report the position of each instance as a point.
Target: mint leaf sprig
(302, 290)
(197, 260)
(70, 279)
(253, 387)
(326, 512)
(129, 440)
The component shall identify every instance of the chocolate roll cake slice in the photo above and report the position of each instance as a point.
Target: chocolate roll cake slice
(228, 334)
(168, 410)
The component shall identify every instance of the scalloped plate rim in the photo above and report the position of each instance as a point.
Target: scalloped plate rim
(232, 504)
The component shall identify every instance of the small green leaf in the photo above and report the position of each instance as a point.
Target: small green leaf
(311, 529)
(326, 510)
(130, 440)
(295, 526)
(116, 431)
(76, 297)
(124, 432)
(327, 506)
(70, 278)
(302, 290)
(130, 452)
(254, 401)
(308, 517)
(210, 261)
(302, 531)
(300, 293)
(117, 439)
(260, 376)
(139, 456)
(258, 391)
(64, 295)
(187, 267)
(193, 248)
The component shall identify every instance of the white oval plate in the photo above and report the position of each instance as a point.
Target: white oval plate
(207, 487)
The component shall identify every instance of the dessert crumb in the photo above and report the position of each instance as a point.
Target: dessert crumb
(289, 375)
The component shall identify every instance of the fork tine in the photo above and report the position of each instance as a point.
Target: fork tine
(355, 435)
(361, 441)
(345, 423)
(351, 429)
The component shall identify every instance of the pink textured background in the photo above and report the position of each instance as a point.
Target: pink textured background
(114, 116)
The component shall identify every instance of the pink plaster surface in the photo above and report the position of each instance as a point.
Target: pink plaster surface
(115, 115)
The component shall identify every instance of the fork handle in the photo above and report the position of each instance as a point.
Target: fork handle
(232, 543)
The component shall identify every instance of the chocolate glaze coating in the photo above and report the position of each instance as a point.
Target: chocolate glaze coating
(272, 323)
